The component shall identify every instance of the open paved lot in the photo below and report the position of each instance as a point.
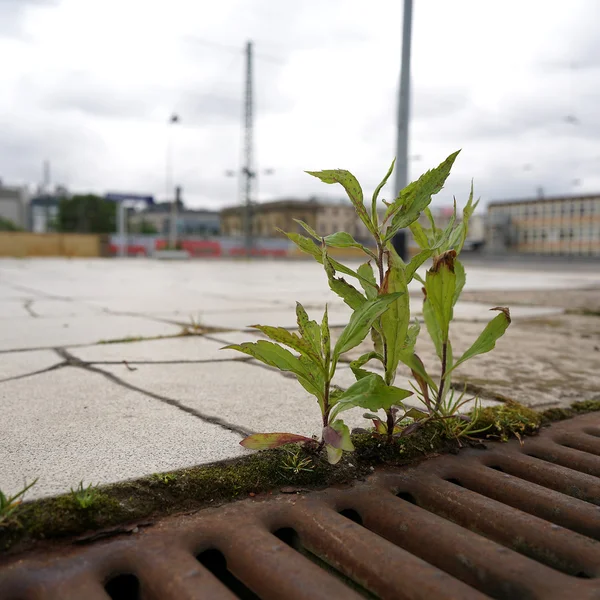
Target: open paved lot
(76, 408)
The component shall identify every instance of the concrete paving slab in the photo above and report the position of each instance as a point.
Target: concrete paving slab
(338, 316)
(17, 364)
(26, 332)
(248, 395)
(71, 425)
(9, 309)
(62, 308)
(193, 348)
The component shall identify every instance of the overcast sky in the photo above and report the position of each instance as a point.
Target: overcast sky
(90, 85)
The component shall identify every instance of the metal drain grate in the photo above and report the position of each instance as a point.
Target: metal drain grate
(508, 522)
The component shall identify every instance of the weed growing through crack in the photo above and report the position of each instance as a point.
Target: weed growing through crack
(10, 504)
(381, 308)
(84, 497)
(295, 463)
(164, 478)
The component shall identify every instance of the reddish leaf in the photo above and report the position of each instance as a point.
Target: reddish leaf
(263, 441)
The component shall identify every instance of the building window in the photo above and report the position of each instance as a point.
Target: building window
(525, 237)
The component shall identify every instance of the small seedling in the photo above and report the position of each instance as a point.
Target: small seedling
(296, 463)
(84, 497)
(164, 478)
(10, 504)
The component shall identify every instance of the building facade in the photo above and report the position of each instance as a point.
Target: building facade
(13, 206)
(325, 216)
(157, 219)
(561, 225)
(267, 217)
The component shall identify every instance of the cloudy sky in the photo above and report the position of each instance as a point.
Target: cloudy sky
(90, 84)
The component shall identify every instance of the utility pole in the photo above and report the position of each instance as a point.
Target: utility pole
(248, 150)
(169, 183)
(401, 180)
(248, 168)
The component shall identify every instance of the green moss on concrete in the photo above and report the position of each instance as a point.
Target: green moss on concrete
(508, 420)
(265, 472)
(577, 408)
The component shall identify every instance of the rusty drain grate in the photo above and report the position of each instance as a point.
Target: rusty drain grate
(507, 522)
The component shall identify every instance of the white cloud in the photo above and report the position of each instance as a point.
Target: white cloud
(90, 86)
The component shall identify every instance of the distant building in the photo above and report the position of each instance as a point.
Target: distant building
(267, 217)
(13, 205)
(324, 215)
(556, 225)
(193, 223)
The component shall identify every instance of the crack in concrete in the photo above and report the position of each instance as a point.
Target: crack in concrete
(73, 361)
(27, 305)
(200, 361)
(38, 372)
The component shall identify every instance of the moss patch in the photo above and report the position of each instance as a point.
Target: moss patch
(292, 467)
(578, 408)
(508, 420)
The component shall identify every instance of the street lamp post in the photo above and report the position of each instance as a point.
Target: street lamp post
(169, 182)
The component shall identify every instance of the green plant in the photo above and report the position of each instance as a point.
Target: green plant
(381, 307)
(84, 497)
(164, 478)
(10, 504)
(295, 462)
(315, 366)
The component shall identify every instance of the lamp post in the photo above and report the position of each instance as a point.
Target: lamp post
(169, 181)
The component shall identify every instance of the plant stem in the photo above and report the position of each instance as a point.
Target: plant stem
(390, 416)
(442, 378)
(326, 411)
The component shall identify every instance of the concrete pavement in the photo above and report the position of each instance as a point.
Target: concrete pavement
(77, 408)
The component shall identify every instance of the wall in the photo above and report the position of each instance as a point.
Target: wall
(23, 244)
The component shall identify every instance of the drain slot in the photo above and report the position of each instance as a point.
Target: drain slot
(291, 538)
(123, 587)
(216, 563)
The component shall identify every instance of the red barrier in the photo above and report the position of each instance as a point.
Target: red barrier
(132, 249)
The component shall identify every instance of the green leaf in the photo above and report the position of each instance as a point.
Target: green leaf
(290, 339)
(349, 294)
(313, 380)
(361, 322)
(374, 216)
(395, 321)
(271, 354)
(263, 441)
(419, 235)
(365, 358)
(325, 337)
(341, 239)
(377, 341)
(467, 213)
(308, 229)
(366, 273)
(372, 393)
(415, 262)
(309, 330)
(356, 365)
(353, 189)
(461, 278)
(431, 220)
(433, 327)
(309, 247)
(333, 454)
(487, 339)
(337, 435)
(416, 414)
(440, 284)
(414, 198)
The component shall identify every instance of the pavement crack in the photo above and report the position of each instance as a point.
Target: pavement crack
(76, 362)
(27, 305)
(38, 372)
